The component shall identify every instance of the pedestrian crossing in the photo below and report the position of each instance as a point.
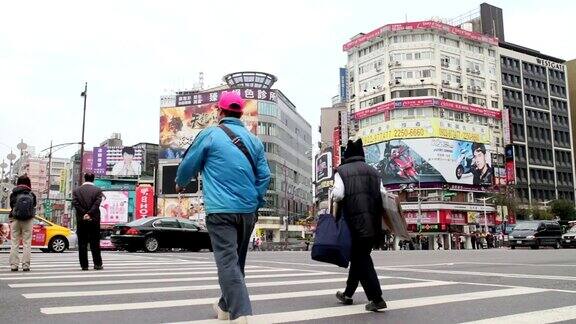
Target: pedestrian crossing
(179, 288)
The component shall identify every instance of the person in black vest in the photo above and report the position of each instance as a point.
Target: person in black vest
(357, 189)
(86, 200)
(23, 210)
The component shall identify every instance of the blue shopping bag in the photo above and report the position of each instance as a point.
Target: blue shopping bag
(332, 241)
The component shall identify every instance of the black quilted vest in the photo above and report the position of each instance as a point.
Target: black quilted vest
(362, 204)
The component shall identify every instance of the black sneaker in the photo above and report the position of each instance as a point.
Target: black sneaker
(343, 298)
(26, 269)
(13, 269)
(376, 306)
(98, 268)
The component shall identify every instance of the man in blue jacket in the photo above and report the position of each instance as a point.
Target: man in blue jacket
(234, 185)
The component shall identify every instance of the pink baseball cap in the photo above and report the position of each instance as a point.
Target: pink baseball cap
(230, 98)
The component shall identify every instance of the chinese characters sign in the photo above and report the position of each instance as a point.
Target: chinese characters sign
(212, 97)
(99, 160)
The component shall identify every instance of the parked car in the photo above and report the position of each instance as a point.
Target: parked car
(46, 236)
(569, 238)
(155, 233)
(536, 234)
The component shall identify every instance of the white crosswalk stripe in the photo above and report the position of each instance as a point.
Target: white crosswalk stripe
(170, 286)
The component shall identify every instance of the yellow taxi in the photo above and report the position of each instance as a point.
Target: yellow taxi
(47, 236)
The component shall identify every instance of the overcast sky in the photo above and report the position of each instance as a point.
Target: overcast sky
(132, 52)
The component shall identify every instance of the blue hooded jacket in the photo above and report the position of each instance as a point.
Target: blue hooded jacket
(229, 183)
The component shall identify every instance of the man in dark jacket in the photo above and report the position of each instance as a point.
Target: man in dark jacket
(86, 200)
(357, 189)
(21, 223)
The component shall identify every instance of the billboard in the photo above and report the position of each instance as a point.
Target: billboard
(114, 207)
(180, 125)
(324, 166)
(117, 161)
(183, 207)
(336, 148)
(431, 160)
(430, 127)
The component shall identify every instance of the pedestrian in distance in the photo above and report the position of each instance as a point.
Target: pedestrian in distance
(86, 201)
(357, 188)
(236, 176)
(22, 212)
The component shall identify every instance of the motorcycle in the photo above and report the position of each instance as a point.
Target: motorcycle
(402, 164)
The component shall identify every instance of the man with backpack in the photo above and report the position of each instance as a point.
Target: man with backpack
(23, 210)
(236, 176)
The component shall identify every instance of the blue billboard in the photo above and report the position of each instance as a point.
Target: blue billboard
(343, 84)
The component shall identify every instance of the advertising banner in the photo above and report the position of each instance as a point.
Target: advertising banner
(114, 207)
(336, 147)
(431, 160)
(179, 126)
(88, 162)
(418, 25)
(506, 126)
(432, 127)
(144, 205)
(63, 180)
(427, 102)
(324, 166)
(38, 235)
(117, 161)
(343, 84)
(201, 98)
(427, 217)
(510, 172)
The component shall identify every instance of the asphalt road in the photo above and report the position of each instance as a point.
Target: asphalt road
(520, 286)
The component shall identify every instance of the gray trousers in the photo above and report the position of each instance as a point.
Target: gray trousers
(230, 237)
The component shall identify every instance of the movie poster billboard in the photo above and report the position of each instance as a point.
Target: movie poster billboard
(180, 125)
(435, 160)
(118, 161)
(114, 207)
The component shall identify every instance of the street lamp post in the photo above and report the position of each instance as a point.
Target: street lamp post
(85, 95)
(485, 215)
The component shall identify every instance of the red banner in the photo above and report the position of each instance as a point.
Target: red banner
(510, 172)
(420, 25)
(453, 217)
(38, 236)
(144, 205)
(336, 147)
(428, 102)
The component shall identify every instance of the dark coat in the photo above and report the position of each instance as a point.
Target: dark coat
(18, 190)
(86, 199)
(362, 203)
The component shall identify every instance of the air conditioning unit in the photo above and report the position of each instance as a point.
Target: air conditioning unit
(397, 63)
(445, 64)
(390, 83)
(469, 87)
(477, 88)
(468, 70)
(477, 71)
(390, 64)
(458, 68)
(445, 82)
(497, 95)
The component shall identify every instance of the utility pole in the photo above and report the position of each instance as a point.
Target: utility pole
(85, 95)
(48, 182)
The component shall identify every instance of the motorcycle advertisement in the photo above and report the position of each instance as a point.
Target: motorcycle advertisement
(432, 160)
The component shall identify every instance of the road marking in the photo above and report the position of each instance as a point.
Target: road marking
(329, 312)
(206, 301)
(147, 274)
(190, 288)
(34, 266)
(537, 317)
(115, 270)
(149, 281)
(482, 274)
(520, 264)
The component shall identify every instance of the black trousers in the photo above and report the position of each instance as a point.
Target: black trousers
(362, 270)
(89, 234)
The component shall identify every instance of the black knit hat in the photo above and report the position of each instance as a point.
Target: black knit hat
(354, 149)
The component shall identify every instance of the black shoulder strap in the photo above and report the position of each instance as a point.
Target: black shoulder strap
(239, 144)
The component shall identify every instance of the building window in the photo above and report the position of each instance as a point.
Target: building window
(452, 96)
(414, 93)
(449, 41)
